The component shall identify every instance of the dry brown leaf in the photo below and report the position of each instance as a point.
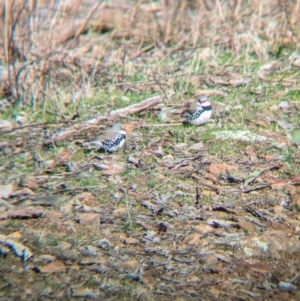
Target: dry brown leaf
(6, 191)
(268, 69)
(129, 127)
(131, 241)
(206, 192)
(151, 7)
(192, 239)
(296, 63)
(30, 182)
(60, 136)
(87, 293)
(248, 226)
(112, 172)
(240, 81)
(87, 218)
(279, 185)
(6, 126)
(24, 191)
(25, 213)
(281, 227)
(260, 122)
(209, 176)
(15, 235)
(49, 163)
(196, 146)
(53, 267)
(258, 267)
(68, 208)
(252, 155)
(64, 156)
(195, 176)
(223, 258)
(204, 229)
(294, 193)
(3, 216)
(143, 225)
(210, 92)
(272, 157)
(130, 265)
(278, 209)
(87, 198)
(223, 168)
(219, 81)
(120, 211)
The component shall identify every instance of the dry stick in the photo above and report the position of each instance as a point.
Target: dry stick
(135, 108)
(138, 107)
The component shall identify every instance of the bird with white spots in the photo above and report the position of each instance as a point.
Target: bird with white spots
(112, 139)
(198, 112)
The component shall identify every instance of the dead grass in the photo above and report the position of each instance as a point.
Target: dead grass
(61, 50)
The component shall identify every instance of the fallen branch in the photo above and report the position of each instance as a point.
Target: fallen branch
(132, 109)
(115, 114)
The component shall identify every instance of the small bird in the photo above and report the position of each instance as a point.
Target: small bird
(112, 139)
(198, 112)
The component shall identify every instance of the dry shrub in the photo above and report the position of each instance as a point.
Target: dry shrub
(65, 44)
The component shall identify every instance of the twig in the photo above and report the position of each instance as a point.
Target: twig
(132, 109)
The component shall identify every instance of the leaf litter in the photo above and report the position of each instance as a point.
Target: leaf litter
(180, 213)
